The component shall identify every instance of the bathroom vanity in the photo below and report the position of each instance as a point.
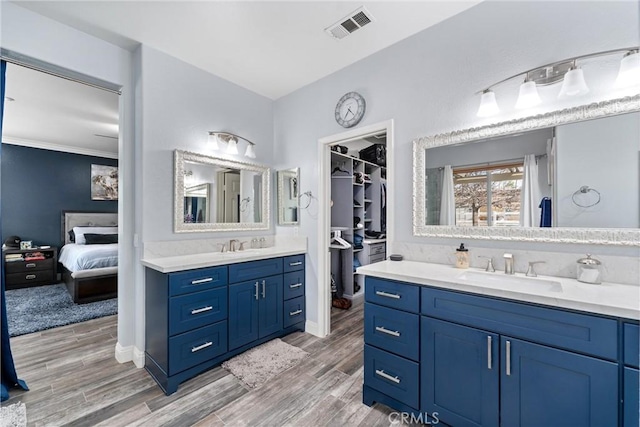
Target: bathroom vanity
(203, 309)
(471, 348)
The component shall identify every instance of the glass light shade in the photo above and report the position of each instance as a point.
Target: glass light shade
(213, 141)
(528, 96)
(488, 105)
(629, 73)
(232, 146)
(573, 84)
(251, 152)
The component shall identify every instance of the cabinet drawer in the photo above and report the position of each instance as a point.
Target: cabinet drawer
(293, 263)
(392, 294)
(195, 347)
(392, 375)
(294, 311)
(196, 280)
(377, 248)
(293, 284)
(191, 311)
(254, 270)
(631, 344)
(572, 331)
(38, 276)
(28, 266)
(392, 330)
(376, 258)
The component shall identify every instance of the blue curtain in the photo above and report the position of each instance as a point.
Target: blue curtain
(9, 375)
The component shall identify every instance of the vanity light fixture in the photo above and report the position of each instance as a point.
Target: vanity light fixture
(567, 71)
(231, 140)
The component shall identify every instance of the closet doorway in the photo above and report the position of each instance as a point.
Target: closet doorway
(356, 225)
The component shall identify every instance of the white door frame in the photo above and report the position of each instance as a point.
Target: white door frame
(324, 217)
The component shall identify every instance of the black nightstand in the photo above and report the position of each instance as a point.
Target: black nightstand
(30, 272)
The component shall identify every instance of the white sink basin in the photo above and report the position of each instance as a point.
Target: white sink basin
(508, 281)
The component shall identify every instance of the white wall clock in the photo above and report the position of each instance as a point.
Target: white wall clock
(350, 109)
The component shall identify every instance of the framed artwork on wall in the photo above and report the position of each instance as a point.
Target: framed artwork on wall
(104, 182)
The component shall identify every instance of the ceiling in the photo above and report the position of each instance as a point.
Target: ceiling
(270, 48)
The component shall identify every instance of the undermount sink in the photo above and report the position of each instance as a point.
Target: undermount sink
(509, 281)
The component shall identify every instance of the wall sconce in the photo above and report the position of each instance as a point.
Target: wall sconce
(567, 72)
(231, 140)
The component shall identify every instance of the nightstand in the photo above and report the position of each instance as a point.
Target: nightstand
(30, 272)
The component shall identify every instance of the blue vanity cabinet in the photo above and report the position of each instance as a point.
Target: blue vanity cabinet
(631, 377)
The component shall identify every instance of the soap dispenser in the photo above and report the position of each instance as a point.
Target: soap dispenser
(462, 257)
(589, 270)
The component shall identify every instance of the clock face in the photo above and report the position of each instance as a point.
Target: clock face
(350, 109)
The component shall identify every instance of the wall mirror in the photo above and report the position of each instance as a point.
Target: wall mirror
(288, 196)
(217, 194)
(567, 176)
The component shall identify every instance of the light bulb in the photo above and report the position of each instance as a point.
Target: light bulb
(629, 73)
(251, 152)
(213, 141)
(232, 146)
(528, 96)
(573, 84)
(488, 105)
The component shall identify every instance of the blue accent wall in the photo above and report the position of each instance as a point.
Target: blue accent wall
(38, 185)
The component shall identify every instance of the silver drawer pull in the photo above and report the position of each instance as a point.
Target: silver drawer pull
(30, 276)
(489, 362)
(388, 295)
(295, 285)
(255, 285)
(200, 347)
(386, 376)
(293, 264)
(295, 313)
(201, 310)
(508, 357)
(200, 281)
(387, 331)
(31, 265)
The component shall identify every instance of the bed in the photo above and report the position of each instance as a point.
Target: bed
(90, 271)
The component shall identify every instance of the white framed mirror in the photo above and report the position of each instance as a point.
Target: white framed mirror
(218, 194)
(587, 160)
(288, 196)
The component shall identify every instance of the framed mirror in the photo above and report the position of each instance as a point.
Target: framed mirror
(217, 194)
(567, 176)
(288, 196)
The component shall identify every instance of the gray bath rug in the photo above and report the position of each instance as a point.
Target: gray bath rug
(13, 415)
(254, 367)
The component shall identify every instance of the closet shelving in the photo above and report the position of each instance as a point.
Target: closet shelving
(355, 193)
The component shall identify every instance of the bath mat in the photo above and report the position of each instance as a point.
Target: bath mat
(254, 367)
(13, 415)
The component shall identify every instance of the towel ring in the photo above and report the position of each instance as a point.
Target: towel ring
(585, 190)
(309, 196)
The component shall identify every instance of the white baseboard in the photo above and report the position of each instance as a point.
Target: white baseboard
(312, 328)
(129, 354)
(138, 357)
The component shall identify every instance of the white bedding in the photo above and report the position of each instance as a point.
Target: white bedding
(85, 257)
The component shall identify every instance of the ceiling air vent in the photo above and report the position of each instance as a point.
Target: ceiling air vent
(350, 23)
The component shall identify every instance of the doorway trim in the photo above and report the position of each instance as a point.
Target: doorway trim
(324, 217)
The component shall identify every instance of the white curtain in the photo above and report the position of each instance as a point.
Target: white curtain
(531, 194)
(448, 200)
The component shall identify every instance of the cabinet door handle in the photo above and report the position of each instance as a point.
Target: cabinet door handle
(256, 294)
(264, 290)
(489, 361)
(293, 264)
(30, 276)
(31, 265)
(387, 331)
(386, 376)
(200, 281)
(200, 347)
(295, 313)
(201, 310)
(295, 285)
(388, 295)
(508, 350)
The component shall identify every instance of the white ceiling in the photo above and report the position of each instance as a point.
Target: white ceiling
(271, 48)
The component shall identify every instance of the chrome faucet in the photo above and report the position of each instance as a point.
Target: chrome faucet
(232, 244)
(508, 264)
(489, 267)
(530, 271)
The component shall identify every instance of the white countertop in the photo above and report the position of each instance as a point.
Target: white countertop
(212, 259)
(611, 299)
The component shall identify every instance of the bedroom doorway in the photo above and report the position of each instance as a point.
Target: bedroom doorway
(60, 141)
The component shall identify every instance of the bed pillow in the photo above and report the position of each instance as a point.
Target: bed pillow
(81, 231)
(100, 239)
(72, 236)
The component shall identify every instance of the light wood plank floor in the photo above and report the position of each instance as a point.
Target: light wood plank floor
(75, 380)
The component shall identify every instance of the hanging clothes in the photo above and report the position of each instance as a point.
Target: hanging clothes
(383, 207)
(545, 212)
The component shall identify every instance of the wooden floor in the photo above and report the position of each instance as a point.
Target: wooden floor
(75, 380)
